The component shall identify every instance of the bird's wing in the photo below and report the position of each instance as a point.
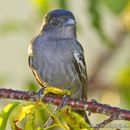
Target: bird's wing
(30, 53)
(31, 63)
(80, 66)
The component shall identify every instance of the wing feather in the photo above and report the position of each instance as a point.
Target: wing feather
(80, 66)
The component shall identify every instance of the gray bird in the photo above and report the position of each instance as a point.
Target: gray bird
(57, 58)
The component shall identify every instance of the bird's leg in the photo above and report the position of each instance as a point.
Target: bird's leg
(64, 101)
(50, 89)
(39, 94)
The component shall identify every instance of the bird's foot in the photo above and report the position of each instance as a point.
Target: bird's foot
(64, 101)
(39, 94)
(43, 91)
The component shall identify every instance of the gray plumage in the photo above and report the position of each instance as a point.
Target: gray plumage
(56, 57)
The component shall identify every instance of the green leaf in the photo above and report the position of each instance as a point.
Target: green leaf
(73, 119)
(20, 113)
(36, 118)
(55, 116)
(4, 115)
(26, 116)
(29, 125)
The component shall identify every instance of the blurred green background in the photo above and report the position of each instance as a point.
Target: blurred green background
(103, 29)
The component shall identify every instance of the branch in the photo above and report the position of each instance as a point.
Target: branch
(93, 106)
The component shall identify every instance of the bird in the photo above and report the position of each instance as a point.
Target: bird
(56, 58)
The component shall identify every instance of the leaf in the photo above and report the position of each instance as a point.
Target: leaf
(28, 116)
(36, 118)
(58, 122)
(20, 113)
(73, 119)
(4, 115)
(30, 122)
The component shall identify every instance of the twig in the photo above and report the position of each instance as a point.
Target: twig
(93, 106)
(104, 123)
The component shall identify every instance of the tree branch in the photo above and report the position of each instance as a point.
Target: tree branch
(93, 106)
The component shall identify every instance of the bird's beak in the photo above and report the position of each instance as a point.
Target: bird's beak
(70, 22)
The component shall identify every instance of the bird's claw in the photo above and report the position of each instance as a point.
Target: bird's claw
(64, 101)
(39, 94)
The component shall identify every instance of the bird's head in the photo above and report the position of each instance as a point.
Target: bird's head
(59, 23)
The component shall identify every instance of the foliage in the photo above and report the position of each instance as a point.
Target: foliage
(5, 113)
(74, 120)
(25, 116)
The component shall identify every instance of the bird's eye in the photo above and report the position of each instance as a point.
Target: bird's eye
(54, 22)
